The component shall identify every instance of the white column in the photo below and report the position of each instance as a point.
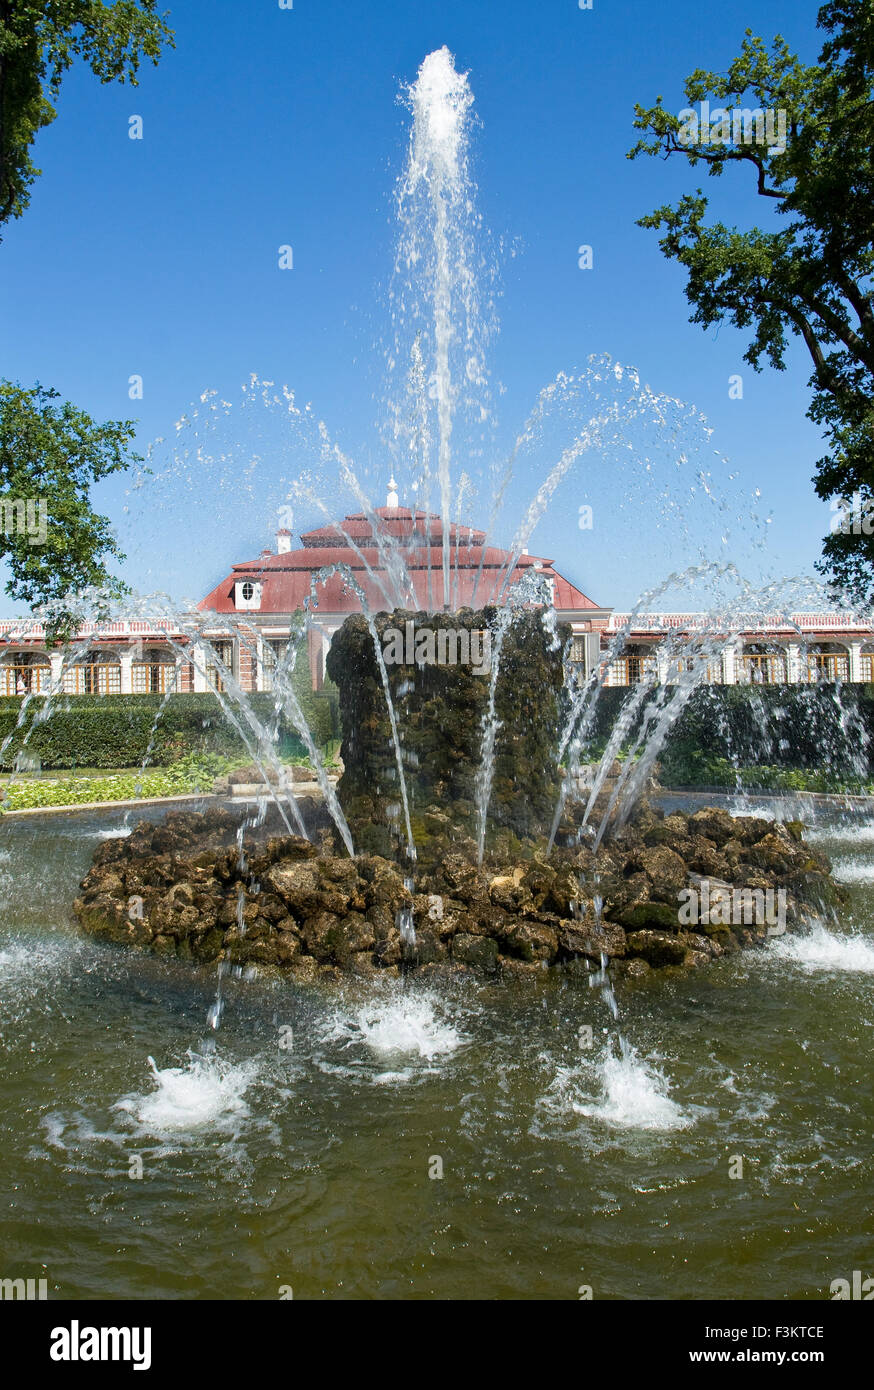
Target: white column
(855, 660)
(126, 659)
(794, 672)
(56, 659)
(731, 662)
(198, 660)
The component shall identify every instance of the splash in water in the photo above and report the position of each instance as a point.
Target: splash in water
(206, 1093)
(824, 951)
(415, 1025)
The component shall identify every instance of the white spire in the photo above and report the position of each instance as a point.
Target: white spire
(392, 499)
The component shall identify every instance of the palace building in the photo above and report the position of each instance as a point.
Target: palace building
(245, 623)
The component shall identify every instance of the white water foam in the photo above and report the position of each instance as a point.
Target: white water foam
(853, 871)
(822, 950)
(846, 834)
(410, 1024)
(207, 1093)
(14, 958)
(742, 810)
(634, 1094)
(407, 1025)
(29, 962)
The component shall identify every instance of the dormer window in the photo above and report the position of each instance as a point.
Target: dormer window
(247, 594)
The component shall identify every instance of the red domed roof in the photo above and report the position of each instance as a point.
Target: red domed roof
(478, 571)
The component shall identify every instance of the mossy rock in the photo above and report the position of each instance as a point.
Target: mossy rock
(481, 952)
(440, 717)
(657, 948)
(650, 914)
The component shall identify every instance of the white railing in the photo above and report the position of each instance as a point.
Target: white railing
(768, 622)
(127, 627)
(31, 630)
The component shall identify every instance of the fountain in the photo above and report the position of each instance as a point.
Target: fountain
(479, 947)
(475, 804)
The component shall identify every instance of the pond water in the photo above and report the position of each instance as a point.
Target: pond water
(301, 1146)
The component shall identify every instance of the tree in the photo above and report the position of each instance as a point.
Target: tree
(51, 539)
(50, 455)
(38, 44)
(808, 272)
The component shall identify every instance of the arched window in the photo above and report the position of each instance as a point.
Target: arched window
(97, 673)
(25, 673)
(153, 671)
(828, 661)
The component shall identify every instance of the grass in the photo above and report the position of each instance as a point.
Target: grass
(67, 773)
(193, 774)
(190, 775)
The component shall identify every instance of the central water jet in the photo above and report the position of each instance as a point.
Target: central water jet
(434, 202)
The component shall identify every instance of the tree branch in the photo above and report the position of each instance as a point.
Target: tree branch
(673, 146)
(853, 293)
(842, 331)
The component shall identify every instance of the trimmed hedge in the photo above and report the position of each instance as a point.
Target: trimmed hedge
(115, 730)
(718, 772)
(827, 728)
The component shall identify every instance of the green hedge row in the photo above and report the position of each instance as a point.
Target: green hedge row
(116, 730)
(828, 728)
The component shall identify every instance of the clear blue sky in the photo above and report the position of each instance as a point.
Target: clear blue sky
(270, 126)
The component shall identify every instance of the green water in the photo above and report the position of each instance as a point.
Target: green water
(268, 1167)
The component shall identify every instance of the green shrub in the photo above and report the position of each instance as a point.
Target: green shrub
(803, 737)
(116, 730)
(719, 772)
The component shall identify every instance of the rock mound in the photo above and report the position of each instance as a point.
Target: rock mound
(675, 890)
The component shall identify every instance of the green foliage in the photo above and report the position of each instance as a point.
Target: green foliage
(39, 43)
(191, 774)
(823, 727)
(54, 453)
(802, 737)
(811, 276)
(115, 731)
(704, 771)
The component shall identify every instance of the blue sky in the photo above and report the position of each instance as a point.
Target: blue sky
(268, 127)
